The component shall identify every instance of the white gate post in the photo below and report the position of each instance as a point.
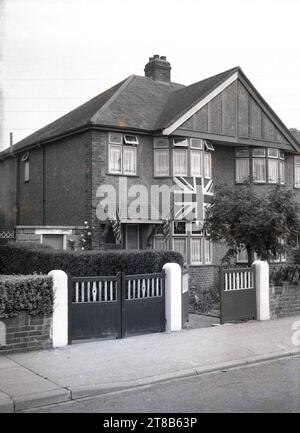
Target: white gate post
(60, 308)
(262, 289)
(173, 297)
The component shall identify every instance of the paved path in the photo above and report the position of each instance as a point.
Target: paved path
(44, 377)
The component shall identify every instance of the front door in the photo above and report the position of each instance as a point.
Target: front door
(132, 236)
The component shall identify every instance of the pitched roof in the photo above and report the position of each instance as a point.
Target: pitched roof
(133, 103)
(180, 101)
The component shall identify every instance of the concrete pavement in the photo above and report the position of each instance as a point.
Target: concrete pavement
(39, 378)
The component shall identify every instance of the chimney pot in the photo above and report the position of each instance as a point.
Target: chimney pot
(163, 57)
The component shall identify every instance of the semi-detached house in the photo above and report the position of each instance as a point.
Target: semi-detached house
(149, 131)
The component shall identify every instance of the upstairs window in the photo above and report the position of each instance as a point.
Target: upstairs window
(259, 165)
(122, 157)
(242, 165)
(161, 156)
(180, 162)
(25, 161)
(267, 165)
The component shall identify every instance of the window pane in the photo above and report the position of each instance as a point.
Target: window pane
(196, 256)
(161, 142)
(273, 153)
(179, 245)
(197, 143)
(129, 160)
(297, 175)
(241, 169)
(242, 152)
(179, 228)
(207, 251)
(160, 244)
(115, 137)
(26, 171)
(180, 162)
(196, 163)
(197, 228)
(259, 170)
(259, 151)
(282, 172)
(273, 170)
(161, 162)
(115, 155)
(207, 165)
(180, 142)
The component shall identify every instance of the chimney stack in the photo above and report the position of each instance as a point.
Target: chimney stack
(158, 68)
(11, 142)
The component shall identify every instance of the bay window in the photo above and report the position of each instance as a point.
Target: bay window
(190, 157)
(267, 165)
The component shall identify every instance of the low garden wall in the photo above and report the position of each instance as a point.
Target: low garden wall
(26, 306)
(284, 300)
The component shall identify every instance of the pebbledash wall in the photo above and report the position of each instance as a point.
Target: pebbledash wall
(24, 333)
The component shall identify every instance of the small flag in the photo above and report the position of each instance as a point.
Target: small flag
(116, 226)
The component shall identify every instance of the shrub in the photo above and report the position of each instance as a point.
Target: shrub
(15, 259)
(31, 293)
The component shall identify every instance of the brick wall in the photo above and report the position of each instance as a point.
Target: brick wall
(25, 333)
(284, 301)
(204, 286)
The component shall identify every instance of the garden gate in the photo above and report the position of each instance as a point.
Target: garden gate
(116, 307)
(237, 294)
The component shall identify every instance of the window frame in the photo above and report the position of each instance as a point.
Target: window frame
(296, 165)
(185, 150)
(200, 239)
(123, 147)
(26, 172)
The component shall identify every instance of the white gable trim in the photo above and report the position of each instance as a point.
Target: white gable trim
(200, 104)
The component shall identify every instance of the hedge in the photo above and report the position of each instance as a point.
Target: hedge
(17, 259)
(31, 293)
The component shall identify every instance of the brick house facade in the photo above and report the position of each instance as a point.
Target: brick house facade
(145, 131)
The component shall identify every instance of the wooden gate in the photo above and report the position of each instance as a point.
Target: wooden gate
(116, 307)
(238, 294)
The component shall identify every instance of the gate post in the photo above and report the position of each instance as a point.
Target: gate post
(173, 298)
(60, 308)
(261, 275)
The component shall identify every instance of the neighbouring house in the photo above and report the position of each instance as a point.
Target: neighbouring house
(146, 132)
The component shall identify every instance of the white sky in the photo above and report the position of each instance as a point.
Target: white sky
(57, 54)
